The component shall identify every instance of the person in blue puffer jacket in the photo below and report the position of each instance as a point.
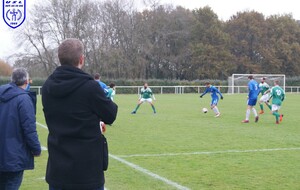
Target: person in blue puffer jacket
(19, 141)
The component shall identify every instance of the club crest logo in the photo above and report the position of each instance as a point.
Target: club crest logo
(14, 12)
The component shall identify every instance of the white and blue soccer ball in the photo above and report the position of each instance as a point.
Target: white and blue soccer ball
(204, 110)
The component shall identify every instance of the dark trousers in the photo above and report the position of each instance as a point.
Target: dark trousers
(54, 188)
(11, 180)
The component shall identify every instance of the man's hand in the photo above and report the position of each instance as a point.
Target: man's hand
(201, 96)
(222, 98)
(102, 127)
(37, 154)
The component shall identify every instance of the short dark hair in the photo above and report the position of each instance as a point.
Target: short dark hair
(112, 85)
(19, 76)
(250, 77)
(207, 83)
(70, 51)
(97, 76)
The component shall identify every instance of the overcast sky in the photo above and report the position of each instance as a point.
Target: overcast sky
(223, 8)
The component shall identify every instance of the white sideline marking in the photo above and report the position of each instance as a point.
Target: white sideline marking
(137, 168)
(44, 148)
(145, 171)
(41, 125)
(213, 152)
(45, 127)
(174, 184)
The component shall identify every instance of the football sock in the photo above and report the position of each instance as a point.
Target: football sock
(153, 108)
(261, 107)
(254, 111)
(247, 114)
(270, 107)
(216, 110)
(137, 107)
(277, 115)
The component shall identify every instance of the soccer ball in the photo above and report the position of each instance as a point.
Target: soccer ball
(204, 110)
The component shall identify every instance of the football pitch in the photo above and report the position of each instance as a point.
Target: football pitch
(182, 148)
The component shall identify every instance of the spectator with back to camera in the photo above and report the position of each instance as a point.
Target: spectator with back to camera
(73, 107)
(19, 142)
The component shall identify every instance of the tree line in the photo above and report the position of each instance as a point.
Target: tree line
(5, 69)
(161, 42)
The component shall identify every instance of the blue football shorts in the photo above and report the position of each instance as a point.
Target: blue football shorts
(214, 101)
(252, 102)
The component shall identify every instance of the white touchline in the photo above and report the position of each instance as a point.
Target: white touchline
(145, 171)
(139, 169)
(45, 127)
(41, 125)
(44, 148)
(174, 184)
(212, 152)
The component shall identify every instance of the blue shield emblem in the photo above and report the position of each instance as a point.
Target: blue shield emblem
(14, 12)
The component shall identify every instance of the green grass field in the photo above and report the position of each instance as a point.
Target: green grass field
(182, 148)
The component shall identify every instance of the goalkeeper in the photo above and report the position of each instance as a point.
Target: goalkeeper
(215, 98)
(145, 96)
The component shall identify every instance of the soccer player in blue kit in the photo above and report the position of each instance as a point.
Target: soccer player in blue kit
(254, 90)
(215, 98)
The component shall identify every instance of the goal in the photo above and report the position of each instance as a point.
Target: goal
(238, 83)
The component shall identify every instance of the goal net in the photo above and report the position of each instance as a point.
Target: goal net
(238, 83)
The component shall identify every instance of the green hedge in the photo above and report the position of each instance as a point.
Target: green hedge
(157, 82)
(35, 81)
(4, 80)
(291, 81)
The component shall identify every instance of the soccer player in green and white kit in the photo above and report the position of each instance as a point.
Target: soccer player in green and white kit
(264, 90)
(278, 95)
(111, 92)
(145, 96)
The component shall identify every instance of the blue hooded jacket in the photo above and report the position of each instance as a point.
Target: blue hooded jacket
(18, 136)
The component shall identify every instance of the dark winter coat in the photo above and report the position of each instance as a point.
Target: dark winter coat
(74, 104)
(18, 136)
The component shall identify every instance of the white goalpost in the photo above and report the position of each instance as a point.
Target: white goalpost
(237, 83)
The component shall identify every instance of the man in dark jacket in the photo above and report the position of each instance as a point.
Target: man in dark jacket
(74, 104)
(18, 136)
